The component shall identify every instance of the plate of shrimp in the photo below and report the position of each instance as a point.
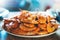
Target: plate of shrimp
(30, 24)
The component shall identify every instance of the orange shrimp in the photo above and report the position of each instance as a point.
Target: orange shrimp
(41, 19)
(30, 19)
(24, 28)
(29, 25)
(50, 28)
(34, 32)
(49, 18)
(24, 15)
(55, 26)
(42, 26)
(19, 32)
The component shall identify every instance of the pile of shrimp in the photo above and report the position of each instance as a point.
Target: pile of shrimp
(30, 24)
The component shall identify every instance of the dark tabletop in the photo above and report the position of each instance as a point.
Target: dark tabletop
(5, 36)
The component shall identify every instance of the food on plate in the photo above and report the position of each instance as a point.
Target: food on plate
(51, 27)
(30, 24)
(49, 18)
(24, 28)
(42, 19)
(42, 26)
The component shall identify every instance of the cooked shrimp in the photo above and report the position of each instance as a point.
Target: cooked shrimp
(29, 19)
(19, 31)
(14, 25)
(24, 28)
(42, 26)
(7, 21)
(55, 26)
(34, 22)
(24, 15)
(29, 25)
(38, 29)
(49, 18)
(41, 19)
(50, 28)
(34, 32)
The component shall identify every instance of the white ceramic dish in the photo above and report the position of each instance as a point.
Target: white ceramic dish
(36, 36)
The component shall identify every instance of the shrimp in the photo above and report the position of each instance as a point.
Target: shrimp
(41, 19)
(14, 24)
(24, 15)
(34, 32)
(18, 31)
(29, 25)
(29, 19)
(49, 18)
(38, 29)
(7, 21)
(24, 28)
(55, 26)
(50, 28)
(42, 26)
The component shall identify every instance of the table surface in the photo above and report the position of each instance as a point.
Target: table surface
(5, 36)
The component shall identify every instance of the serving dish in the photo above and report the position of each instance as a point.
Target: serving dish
(34, 36)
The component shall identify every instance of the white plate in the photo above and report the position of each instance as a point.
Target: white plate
(36, 36)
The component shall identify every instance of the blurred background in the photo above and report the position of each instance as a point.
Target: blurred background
(31, 5)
